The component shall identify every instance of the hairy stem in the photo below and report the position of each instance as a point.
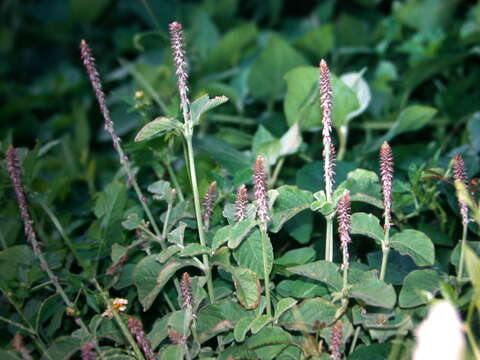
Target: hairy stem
(266, 274)
(329, 239)
(462, 252)
(385, 251)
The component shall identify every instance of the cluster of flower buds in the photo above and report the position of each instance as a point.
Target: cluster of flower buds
(87, 352)
(186, 291)
(343, 217)
(241, 203)
(178, 53)
(336, 341)
(259, 179)
(386, 178)
(136, 329)
(208, 201)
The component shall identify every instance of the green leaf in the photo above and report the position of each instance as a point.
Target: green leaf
(158, 127)
(290, 141)
(307, 315)
(194, 249)
(218, 317)
(290, 201)
(167, 253)
(247, 287)
(204, 104)
(371, 352)
(159, 331)
(249, 253)
(150, 277)
(415, 244)
(242, 328)
(269, 342)
(234, 234)
(12, 258)
(161, 189)
(324, 271)
(131, 222)
(63, 348)
(375, 293)
(176, 235)
(111, 203)
(302, 105)
(259, 323)
(355, 81)
(301, 289)
(296, 257)
(363, 186)
(266, 76)
(283, 305)
(317, 42)
(472, 263)
(419, 287)
(367, 225)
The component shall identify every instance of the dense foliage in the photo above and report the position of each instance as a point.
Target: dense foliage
(275, 209)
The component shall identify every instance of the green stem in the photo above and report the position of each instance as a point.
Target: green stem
(342, 142)
(345, 278)
(329, 239)
(198, 215)
(18, 325)
(266, 273)
(385, 250)
(120, 322)
(174, 179)
(354, 341)
(462, 251)
(276, 172)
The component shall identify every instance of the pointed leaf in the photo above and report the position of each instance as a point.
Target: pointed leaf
(203, 104)
(290, 201)
(367, 225)
(415, 244)
(375, 293)
(419, 287)
(259, 323)
(157, 127)
(242, 328)
(249, 253)
(247, 287)
(324, 271)
(284, 305)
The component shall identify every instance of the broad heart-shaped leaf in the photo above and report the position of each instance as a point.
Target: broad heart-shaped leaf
(233, 234)
(150, 277)
(157, 127)
(301, 288)
(363, 186)
(368, 225)
(415, 244)
(203, 104)
(194, 249)
(419, 287)
(307, 315)
(296, 257)
(290, 201)
(324, 271)
(302, 103)
(242, 328)
(219, 317)
(247, 287)
(110, 203)
(283, 305)
(250, 253)
(374, 292)
(276, 59)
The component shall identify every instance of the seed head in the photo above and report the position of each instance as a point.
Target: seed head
(386, 178)
(178, 54)
(336, 341)
(343, 218)
(241, 203)
(186, 291)
(328, 147)
(460, 175)
(259, 180)
(136, 329)
(208, 200)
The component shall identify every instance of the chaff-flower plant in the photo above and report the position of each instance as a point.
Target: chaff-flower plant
(386, 179)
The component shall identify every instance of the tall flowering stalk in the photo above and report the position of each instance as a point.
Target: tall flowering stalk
(343, 218)
(336, 341)
(460, 176)
(186, 291)
(178, 54)
(259, 179)
(241, 203)
(91, 69)
(14, 172)
(328, 149)
(136, 329)
(208, 200)
(386, 179)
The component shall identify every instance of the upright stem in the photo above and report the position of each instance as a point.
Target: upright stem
(329, 239)
(266, 273)
(342, 141)
(198, 215)
(385, 251)
(462, 251)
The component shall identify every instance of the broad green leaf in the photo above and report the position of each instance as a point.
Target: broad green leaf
(111, 203)
(63, 348)
(290, 141)
(172, 352)
(218, 317)
(301, 289)
(283, 305)
(204, 104)
(419, 287)
(176, 235)
(317, 42)
(324, 271)
(363, 186)
(266, 76)
(234, 234)
(194, 249)
(247, 287)
(179, 321)
(425, 14)
(159, 331)
(375, 293)
(302, 105)
(268, 336)
(158, 127)
(367, 225)
(307, 315)
(290, 201)
(399, 266)
(167, 253)
(12, 258)
(150, 277)
(472, 263)
(132, 222)
(242, 328)
(296, 257)
(249, 253)
(371, 352)
(161, 189)
(355, 81)
(259, 323)
(415, 244)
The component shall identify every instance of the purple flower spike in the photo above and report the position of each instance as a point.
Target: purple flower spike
(460, 175)
(87, 352)
(343, 217)
(336, 341)
(186, 291)
(178, 53)
(259, 179)
(241, 203)
(386, 178)
(208, 200)
(136, 329)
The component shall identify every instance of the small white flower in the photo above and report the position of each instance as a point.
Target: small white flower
(440, 335)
